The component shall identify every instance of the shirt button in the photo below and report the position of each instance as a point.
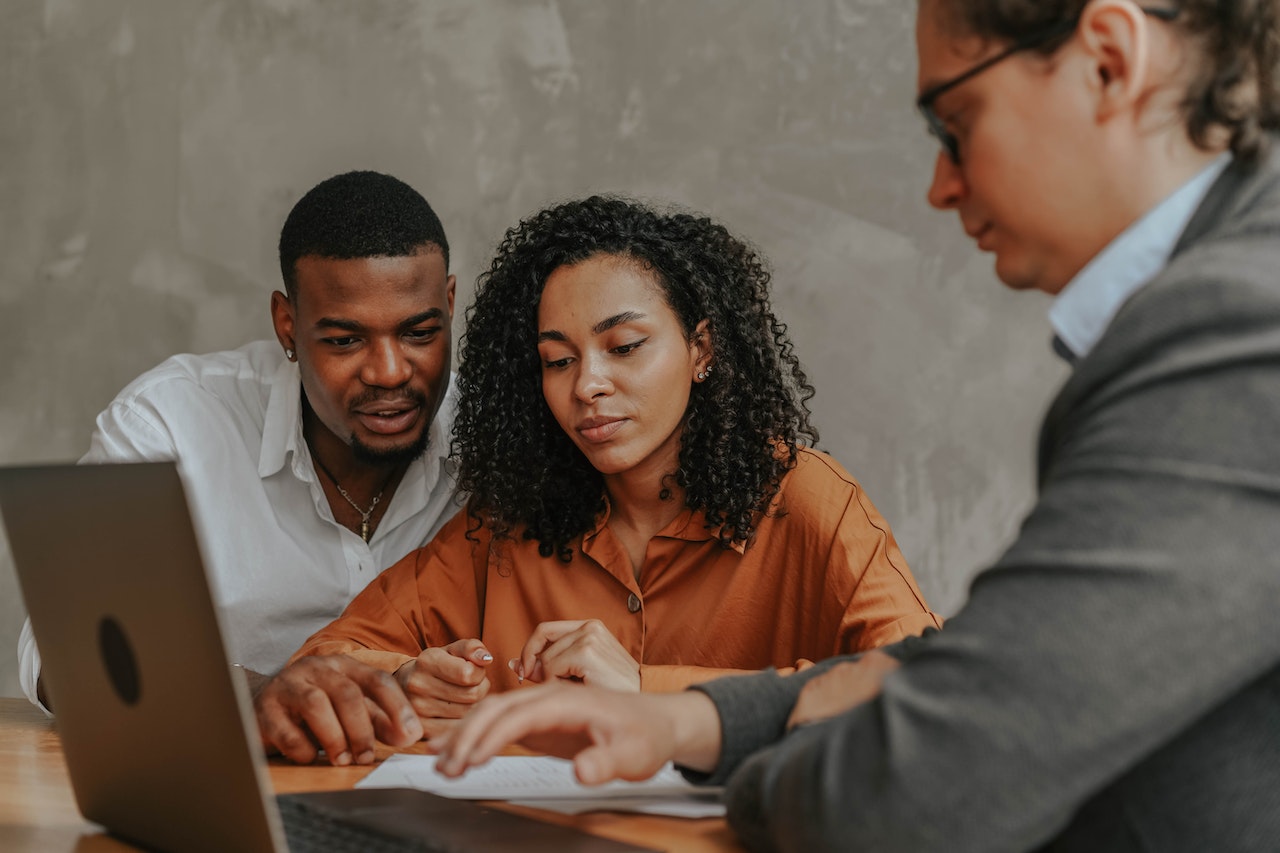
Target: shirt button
(633, 603)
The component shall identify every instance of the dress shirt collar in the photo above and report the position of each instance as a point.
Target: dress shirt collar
(282, 424)
(689, 525)
(1085, 307)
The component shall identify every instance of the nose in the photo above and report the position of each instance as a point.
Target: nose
(592, 380)
(948, 186)
(385, 365)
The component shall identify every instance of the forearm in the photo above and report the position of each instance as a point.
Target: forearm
(669, 678)
(754, 707)
(752, 711)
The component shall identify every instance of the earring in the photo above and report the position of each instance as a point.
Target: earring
(701, 376)
(288, 353)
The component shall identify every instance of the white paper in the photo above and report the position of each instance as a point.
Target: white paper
(548, 783)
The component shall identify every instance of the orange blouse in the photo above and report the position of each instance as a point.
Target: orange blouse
(822, 577)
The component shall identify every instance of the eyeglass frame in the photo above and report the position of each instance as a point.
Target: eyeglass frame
(924, 103)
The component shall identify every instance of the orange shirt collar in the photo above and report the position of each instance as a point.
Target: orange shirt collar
(689, 524)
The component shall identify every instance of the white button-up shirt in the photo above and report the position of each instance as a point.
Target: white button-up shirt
(280, 567)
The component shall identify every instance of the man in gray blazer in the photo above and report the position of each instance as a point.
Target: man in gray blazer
(1113, 682)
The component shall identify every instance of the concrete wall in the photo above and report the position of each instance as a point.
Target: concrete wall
(151, 150)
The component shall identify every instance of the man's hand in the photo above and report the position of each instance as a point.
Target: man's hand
(337, 704)
(608, 734)
(446, 681)
(842, 687)
(577, 650)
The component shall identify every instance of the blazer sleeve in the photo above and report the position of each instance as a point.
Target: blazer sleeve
(1138, 600)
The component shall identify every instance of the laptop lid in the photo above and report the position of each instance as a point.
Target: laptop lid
(157, 729)
(151, 716)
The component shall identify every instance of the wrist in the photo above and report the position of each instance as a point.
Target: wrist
(695, 730)
(254, 680)
(403, 672)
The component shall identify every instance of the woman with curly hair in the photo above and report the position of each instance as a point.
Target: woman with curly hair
(645, 510)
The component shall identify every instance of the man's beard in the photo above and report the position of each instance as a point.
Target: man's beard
(393, 457)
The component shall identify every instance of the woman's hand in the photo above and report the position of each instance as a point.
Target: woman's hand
(577, 650)
(446, 681)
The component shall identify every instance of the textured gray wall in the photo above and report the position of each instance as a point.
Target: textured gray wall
(151, 150)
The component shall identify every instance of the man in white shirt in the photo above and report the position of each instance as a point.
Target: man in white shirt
(314, 461)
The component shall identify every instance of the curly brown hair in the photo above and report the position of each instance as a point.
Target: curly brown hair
(743, 424)
(1234, 86)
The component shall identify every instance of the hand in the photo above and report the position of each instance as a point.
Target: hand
(445, 682)
(842, 687)
(577, 650)
(335, 703)
(609, 735)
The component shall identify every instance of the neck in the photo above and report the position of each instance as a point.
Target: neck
(1135, 180)
(1164, 166)
(636, 502)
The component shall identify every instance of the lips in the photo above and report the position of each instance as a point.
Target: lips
(981, 234)
(600, 428)
(388, 418)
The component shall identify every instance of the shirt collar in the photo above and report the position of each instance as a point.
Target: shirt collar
(1085, 307)
(282, 424)
(690, 525)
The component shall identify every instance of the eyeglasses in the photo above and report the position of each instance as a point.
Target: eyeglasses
(925, 102)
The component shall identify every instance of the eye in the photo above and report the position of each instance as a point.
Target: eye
(626, 349)
(422, 336)
(342, 342)
(556, 364)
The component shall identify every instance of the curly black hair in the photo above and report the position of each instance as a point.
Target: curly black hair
(358, 215)
(743, 424)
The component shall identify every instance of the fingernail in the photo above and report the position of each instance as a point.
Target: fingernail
(365, 757)
(485, 656)
(517, 667)
(343, 759)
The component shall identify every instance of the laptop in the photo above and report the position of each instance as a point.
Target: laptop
(158, 731)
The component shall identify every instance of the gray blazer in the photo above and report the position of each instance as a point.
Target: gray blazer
(1113, 683)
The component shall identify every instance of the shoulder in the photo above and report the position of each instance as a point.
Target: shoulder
(1219, 285)
(467, 540)
(818, 490)
(240, 378)
(817, 476)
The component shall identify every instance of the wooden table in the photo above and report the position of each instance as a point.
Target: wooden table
(38, 811)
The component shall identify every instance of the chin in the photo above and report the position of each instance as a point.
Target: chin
(391, 453)
(609, 463)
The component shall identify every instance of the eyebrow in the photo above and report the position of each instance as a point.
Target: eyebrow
(603, 326)
(353, 326)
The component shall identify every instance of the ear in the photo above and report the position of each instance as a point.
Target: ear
(701, 348)
(1116, 37)
(282, 320)
(453, 286)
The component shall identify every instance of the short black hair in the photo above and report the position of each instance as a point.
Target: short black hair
(358, 215)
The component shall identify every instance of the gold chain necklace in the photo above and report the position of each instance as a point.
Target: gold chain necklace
(364, 513)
